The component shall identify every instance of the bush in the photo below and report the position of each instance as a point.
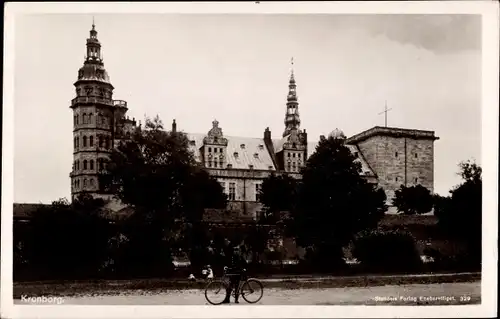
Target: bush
(387, 251)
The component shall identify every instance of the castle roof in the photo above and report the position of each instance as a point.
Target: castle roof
(241, 152)
(263, 161)
(391, 131)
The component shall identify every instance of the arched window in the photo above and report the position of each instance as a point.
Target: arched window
(107, 142)
(74, 142)
(209, 149)
(215, 163)
(221, 163)
(103, 120)
(84, 118)
(78, 165)
(98, 118)
(77, 117)
(84, 164)
(91, 118)
(91, 141)
(85, 183)
(84, 141)
(91, 182)
(77, 141)
(99, 163)
(91, 164)
(101, 140)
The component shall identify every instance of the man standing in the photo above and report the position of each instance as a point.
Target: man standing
(235, 266)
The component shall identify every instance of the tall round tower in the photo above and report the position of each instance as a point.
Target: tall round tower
(97, 121)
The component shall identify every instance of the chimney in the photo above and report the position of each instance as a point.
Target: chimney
(267, 134)
(174, 127)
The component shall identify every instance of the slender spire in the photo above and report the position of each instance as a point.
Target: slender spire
(292, 119)
(93, 23)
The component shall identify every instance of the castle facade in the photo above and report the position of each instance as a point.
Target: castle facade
(389, 157)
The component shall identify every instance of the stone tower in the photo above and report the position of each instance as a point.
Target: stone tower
(291, 152)
(98, 121)
(398, 156)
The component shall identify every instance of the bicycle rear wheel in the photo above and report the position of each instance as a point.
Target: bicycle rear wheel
(215, 292)
(252, 290)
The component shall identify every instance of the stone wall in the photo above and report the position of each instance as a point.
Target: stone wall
(400, 161)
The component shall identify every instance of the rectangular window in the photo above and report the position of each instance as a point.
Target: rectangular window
(258, 188)
(416, 155)
(396, 154)
(232, 191)
(223, 185)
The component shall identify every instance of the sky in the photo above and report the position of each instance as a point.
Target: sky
(235, 68)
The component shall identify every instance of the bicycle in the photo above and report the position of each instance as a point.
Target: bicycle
(247, 287)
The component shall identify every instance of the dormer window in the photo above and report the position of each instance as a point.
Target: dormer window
(229, 165)
(250, 166)
(261, 147)
(270, 167)
(235, 154)
(355, 154)
(256, 155)
(242, 146)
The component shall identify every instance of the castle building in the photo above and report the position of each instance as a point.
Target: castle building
(389, 157)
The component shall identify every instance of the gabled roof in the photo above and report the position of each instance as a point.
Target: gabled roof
(278, 143)
(241, 152)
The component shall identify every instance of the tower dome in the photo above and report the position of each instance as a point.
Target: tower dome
(337, 134)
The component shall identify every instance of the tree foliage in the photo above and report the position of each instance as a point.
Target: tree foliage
(278, 194)
(68, 239)
(335, 202)
(156, 174)
(384, 251)
(460, 214)
(413, 200)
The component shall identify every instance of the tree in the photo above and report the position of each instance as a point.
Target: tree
(461, 217)
(156, 174)
(68, 240)
(278, 194)
(413, 200)
(387, 251)
(335, 202)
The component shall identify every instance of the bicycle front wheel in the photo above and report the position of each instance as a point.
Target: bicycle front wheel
(252, 290)
(215, 292)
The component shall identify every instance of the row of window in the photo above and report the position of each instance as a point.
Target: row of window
(397, 179)
(232, 190)
(293, 167)
(86, 183)
(299, 155)
(396, 155)
(89, 119)
(102, 141)
(216, 163)
(89, 165)
(216, 150)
